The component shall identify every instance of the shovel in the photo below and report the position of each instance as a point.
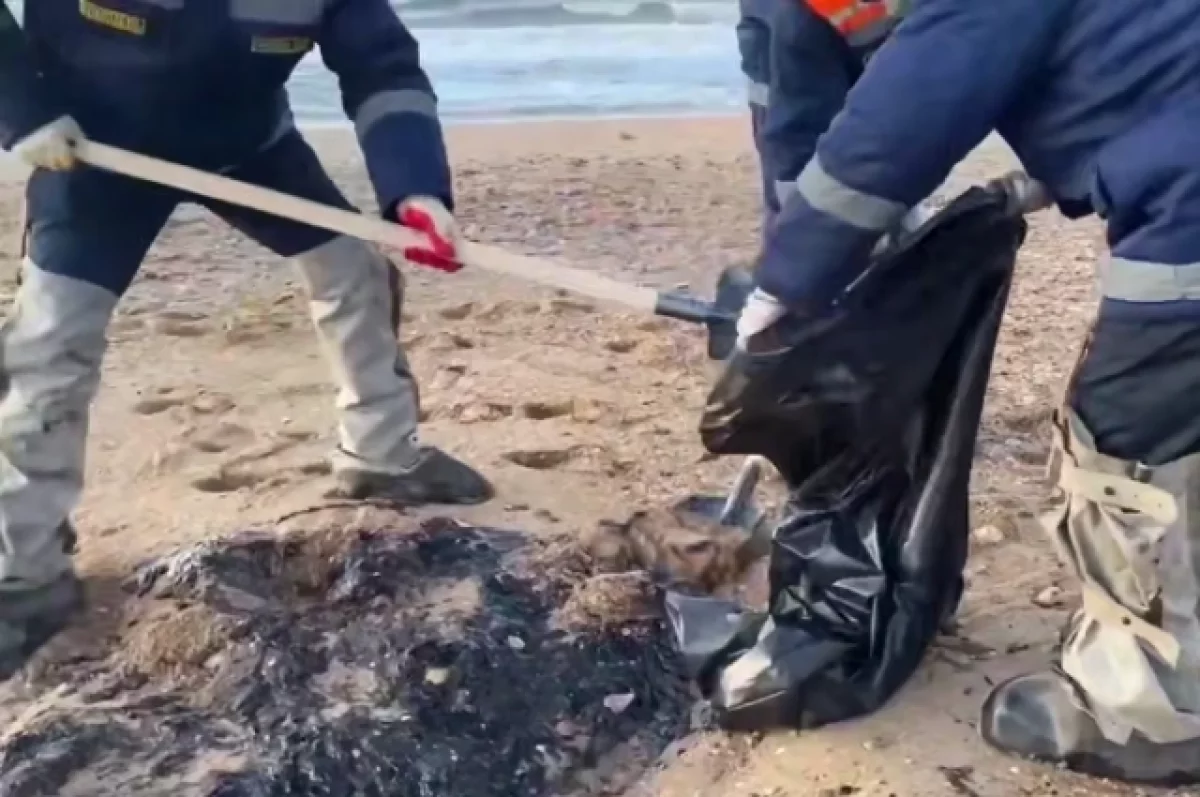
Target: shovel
(738, 511)
(718, 316)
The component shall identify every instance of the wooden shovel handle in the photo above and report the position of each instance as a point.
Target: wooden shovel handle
(489, 258)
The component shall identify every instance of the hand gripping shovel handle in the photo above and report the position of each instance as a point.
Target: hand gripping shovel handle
(488, 258)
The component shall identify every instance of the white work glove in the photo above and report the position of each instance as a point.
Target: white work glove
(760, 312)
(430, 217)
(50, 146)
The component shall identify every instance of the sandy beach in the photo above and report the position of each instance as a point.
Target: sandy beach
(216, 415)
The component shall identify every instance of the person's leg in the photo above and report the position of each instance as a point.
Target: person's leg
(754, 47)
(87, 235)
(1124, 698)
(356, 297)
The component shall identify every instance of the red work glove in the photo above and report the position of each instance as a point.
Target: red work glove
(430, 217)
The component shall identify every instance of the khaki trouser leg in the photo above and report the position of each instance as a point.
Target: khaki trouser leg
(355, 303)
(51, 348)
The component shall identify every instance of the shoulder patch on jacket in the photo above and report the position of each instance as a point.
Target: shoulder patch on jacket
(112, 19)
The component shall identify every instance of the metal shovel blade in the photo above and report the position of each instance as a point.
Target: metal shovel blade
(718, 316)
(733, 289)
(737, 510)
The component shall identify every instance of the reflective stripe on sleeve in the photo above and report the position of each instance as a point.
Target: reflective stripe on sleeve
(1130, 280)
(387, 103)
(849, 205)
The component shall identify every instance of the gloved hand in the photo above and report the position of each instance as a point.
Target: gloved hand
(50, 146)
(430, 217)
(759, 313)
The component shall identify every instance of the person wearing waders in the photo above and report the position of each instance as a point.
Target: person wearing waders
(819, 49)
(1100, 100)
(201, 83)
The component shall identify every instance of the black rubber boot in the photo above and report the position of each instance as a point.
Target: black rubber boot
(437, 478)
(1043, 717)
(29, 618)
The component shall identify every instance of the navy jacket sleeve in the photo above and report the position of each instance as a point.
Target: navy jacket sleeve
(388, 96)
(812, 71)
(933, 92)
(25, 105)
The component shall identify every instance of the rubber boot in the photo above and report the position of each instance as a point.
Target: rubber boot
(32, 615)
(1123, 700)
(436, 478)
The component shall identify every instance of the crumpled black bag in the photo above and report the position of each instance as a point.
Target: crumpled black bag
(870, 415)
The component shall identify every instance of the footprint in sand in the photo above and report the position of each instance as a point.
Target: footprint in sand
(153, 406)
(178, 329)
(539, 458)
(566, 306)
(477, 412)
(500, 310)
(457, 312)
(202, 404)
(546, 410)
(221, 438)
(212, 404)
(448, 342)
(579, 410)
(621, 345)
(232, 476)
(318, 467)
(227, 481)
(298, 435)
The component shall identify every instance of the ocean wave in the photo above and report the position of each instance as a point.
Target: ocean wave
(548, 13)
(543, 72)
(542, 13)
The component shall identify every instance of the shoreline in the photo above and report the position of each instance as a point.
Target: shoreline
(553, 144)
(501, 138)
(660, 115)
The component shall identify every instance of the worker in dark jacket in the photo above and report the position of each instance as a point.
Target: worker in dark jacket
(1100, 100)
(819, 49)
(201, 83)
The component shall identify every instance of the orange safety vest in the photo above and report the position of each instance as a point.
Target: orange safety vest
(860, 21)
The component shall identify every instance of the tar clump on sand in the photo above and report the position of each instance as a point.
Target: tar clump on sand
(439, 661)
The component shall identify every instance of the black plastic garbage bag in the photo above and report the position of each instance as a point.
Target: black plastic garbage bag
(870, 415)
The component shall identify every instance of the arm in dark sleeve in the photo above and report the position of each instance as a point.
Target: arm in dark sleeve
(24, 102)
(388, 96)
(925, 100)
(812, 71)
